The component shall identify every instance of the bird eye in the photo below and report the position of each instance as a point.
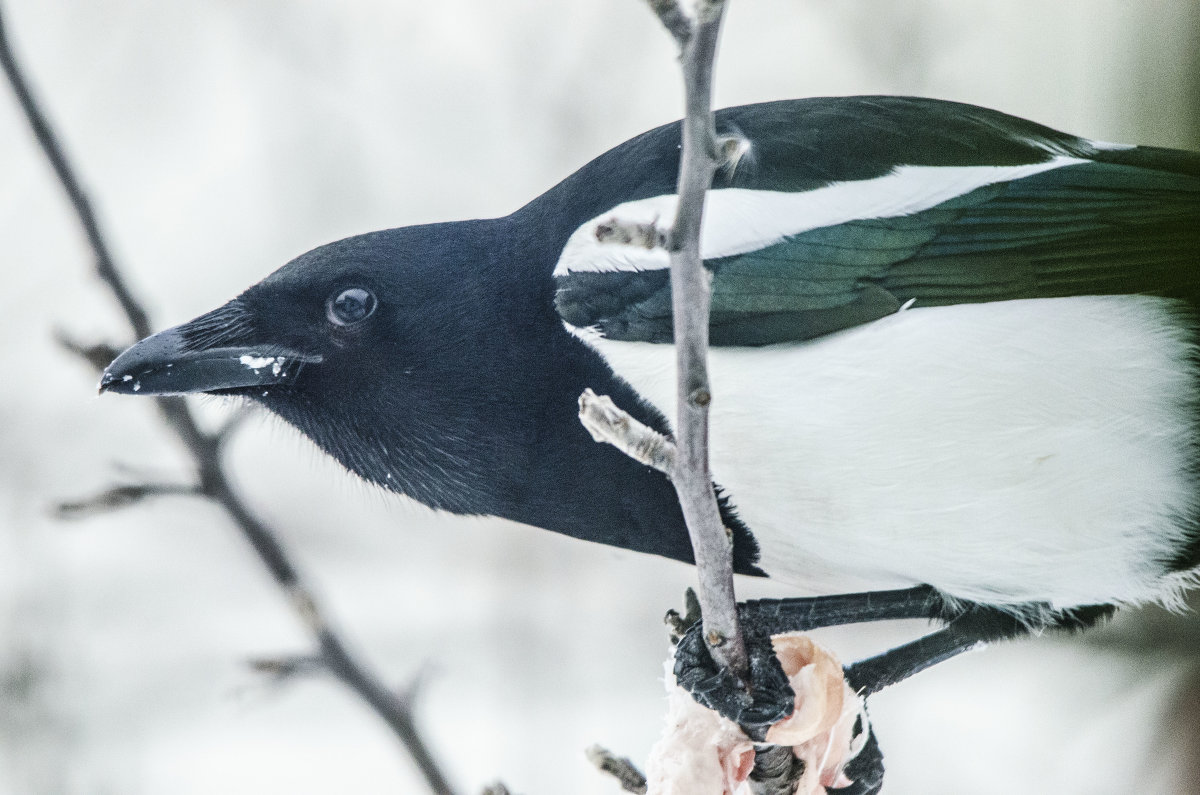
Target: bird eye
(350, 306)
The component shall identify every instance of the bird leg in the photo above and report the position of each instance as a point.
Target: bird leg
(976, 625)
(964, 633)
(777, 616)
(771, 698)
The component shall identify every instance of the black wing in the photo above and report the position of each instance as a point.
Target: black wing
(1108, 220)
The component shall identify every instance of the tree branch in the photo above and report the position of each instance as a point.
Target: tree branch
(776, 768)
(624, 771)
(284, 669)
(122, 497)
(674, 19)
(690, 289)
(204, 448)
(609, 423)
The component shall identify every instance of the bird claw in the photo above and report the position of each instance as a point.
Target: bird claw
(769, 698)
(678, 623)
(826, 724)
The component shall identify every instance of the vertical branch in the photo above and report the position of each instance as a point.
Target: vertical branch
(690, 288)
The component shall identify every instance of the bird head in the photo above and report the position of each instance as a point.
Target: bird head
(315, 324)
(367, 345)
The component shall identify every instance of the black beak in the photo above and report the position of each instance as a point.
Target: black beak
(170, 363)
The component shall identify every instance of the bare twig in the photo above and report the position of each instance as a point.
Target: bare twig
(123, 497)
(609, 423)
(624, 771)
(686, 461)
(284, 669)
(205, 451)
(712, 544)
(98, 355)
(674, 19)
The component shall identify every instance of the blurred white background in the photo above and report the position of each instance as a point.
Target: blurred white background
(219, 139)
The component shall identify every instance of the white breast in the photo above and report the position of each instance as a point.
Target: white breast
(1007, 452)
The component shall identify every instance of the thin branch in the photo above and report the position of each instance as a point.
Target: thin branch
(98, 355)
(205, 451)
(624, 771)
(690, 292)
(284, 669)
(686, 461)
(122, 497)
(408, 692)
(674, 19)
(609, 423)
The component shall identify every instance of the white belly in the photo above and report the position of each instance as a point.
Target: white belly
(1008, 452)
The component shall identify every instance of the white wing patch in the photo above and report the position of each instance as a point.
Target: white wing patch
(737, 220)
(1109, 146)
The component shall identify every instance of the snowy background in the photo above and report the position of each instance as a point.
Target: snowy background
(220, 138)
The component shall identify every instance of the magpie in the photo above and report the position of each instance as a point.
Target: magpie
(954, 362)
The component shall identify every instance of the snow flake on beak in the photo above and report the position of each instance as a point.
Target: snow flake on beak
(257, 363)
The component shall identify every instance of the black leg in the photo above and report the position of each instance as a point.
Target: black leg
(976, 624)
(777, 616)
(895, 665)
(771, 698)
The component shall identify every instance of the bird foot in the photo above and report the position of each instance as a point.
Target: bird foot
(755, 706)
(768, 698)
(797, 703)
